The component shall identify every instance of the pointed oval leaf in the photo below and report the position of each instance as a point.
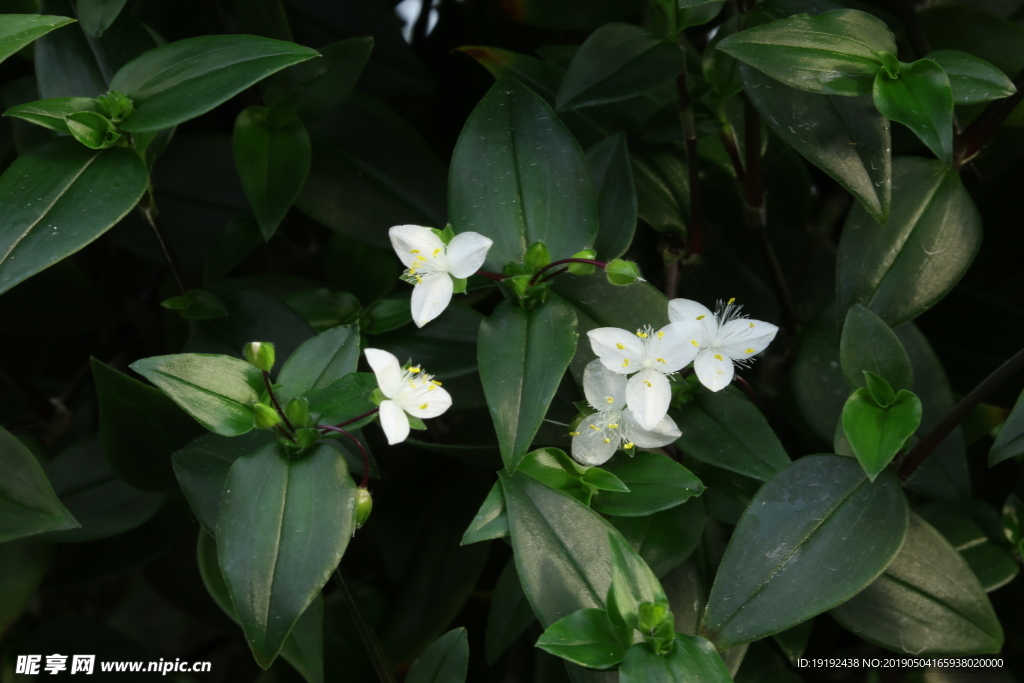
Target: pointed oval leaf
(815, 535)
(283, 527)
(655, 483)
(616, 196)
(18, 30)
(58, 198)
(928, 601)
(519, 177)
(586, 637)
(931, 238)
(869, 344)
(665, 539)
(972, 78)
(218, 391)
(491, 521)
(1010, 440)
(28, 504)
(692, 659)
(510, 612)
(321, 361)
(445, 661)
(51, 113)
(97, 15)
(876, 434)
(844, 136)
(920, 98)
(522, 356)
(181, 80)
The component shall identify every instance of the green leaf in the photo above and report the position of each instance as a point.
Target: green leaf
(321, 361)
(1010, 440)
(23, 565)
(931, 238)
(692, 659)
(602, 480)
(18, 30)
(586, 637)
(972, 79)
(573, 15)
(868, 344)
(662, 187)
(556, 469)
(445, 661)
(880, 391)
(724, 429)
(921, 99)
(283, 527)
(633, 583)
(616, 196)
(218, 391)
(272, 160)
(616, 62)
(491, 521)
(664, 539)
(977, 31)
(77, 194)
(305, 644)
(815, 535)
(510, 612)
(28, 504)
(93, 130)
(876, 433)
(346, 398)
(181, 80)
(97, 15)
(323, 82)
(844, 136)
(928, 602)
(834, 53)
(512, 151)
(522, 356)
(131, 414)
(994, 565)
(655, 483)
(51, 113)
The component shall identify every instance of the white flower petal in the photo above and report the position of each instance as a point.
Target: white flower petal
(601, 384)
(743, 338)
(425, 402)
(648, 394)
(387, 371)
(675, 345)
(411, 242)
(394, 422)
(714, 369)
(663, 433)
(619, 350)
(467, 252)
(594, 446)
(685, 310)
(430, 297)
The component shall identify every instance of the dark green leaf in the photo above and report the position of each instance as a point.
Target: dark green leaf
(324, 82)
(586, 638)
(793, 641)
(28, 504)
(181, 80)
(272, 160)
(324, 309)
(931, 238)
(132, 414)
(556, 469)
(616, 196)
(994, 565)
(510, 612)
(815, 535)
(692, 659)
(877, 433)
(522, 356)
(633, 583)
(869, 344)
(616, 62)
(283, 527)
(1010, 440)
(343, 400)
(97, 15)
(603, 480)
(725, 429)
(51, 113)
(844, 136)
(972, 78)
(665, 539)
(18, 30)
(834, 53)
(321, 361)
(445, 661)
(22, 567)
(573, 15)
(218, 391)
(57, 199)
(655, 482)
(928, 602)
(491, 521)
(921, 99)
(662, 187)
(512, 151)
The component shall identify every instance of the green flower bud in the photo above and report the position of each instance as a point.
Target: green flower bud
(537, 256)
(583, 268)
(260, 354)
(364, 505)
(265, 417)
(93, 130)
(621, 272)
(115, 106)
(297, 412)
(446, 235)
(306, 437)
(650, 616)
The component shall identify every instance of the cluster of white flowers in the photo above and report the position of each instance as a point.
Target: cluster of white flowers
(634, 412)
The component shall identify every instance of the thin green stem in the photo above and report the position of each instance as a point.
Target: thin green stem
(147, 207)
(369, 638)
(694, 228)
(277, 405)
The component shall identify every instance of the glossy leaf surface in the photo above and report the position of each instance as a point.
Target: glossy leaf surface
(867, 343)
(921, 99)
(586, 637)
(616, 196)
(692, 659)
(18, 30)
(971, 78)
(655, 483)
(28, 505)
(877, 433)
(1010, 440)
(445, 661)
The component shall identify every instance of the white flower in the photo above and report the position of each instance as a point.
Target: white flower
(431, 265)
(651, 355)
(722, 338)
(409, 391)
(601, 434)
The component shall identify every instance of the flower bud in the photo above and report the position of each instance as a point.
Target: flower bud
(93, 130)
(621, 272)
(265, 417)
(537, 256)
(297, 412)
(583, 268)
(364, 505)
(260, 354)
(115, 106)
(306, 437)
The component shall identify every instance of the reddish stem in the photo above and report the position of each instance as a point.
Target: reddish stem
(366, 459)
(557, 272)
(746, 387)
(592, 262)
(497, 277)
(277, 406)
(357, 418)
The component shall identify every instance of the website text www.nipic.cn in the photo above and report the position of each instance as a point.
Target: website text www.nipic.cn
(31, 665)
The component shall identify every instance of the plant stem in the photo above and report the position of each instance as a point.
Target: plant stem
(357, 418)
(920, 452)
(557, 272)
(273, 398)
(497, 277)
(599, 264)
(366, 458)
(369, 638)
(694, 228)
(967, 144)
(148, 209)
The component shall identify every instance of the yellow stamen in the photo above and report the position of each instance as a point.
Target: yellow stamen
(750, 350)
(648, 383)
(694, 342)
(414, 251)
(700, 317)
(642, 335)
(628, 445)
(732, 301)
(613, 426)
(751, 324)
(594, 428)
(718, 356)
(437, 251)
(661, 334)
(607, 440)
(434, 381)
(423, 407)
(421, 258)
(419, 280)
(620, 346)
(574, 433)
(415, 369)
(609, 399)
(662, 360)
(431, 387)
(625, 363)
